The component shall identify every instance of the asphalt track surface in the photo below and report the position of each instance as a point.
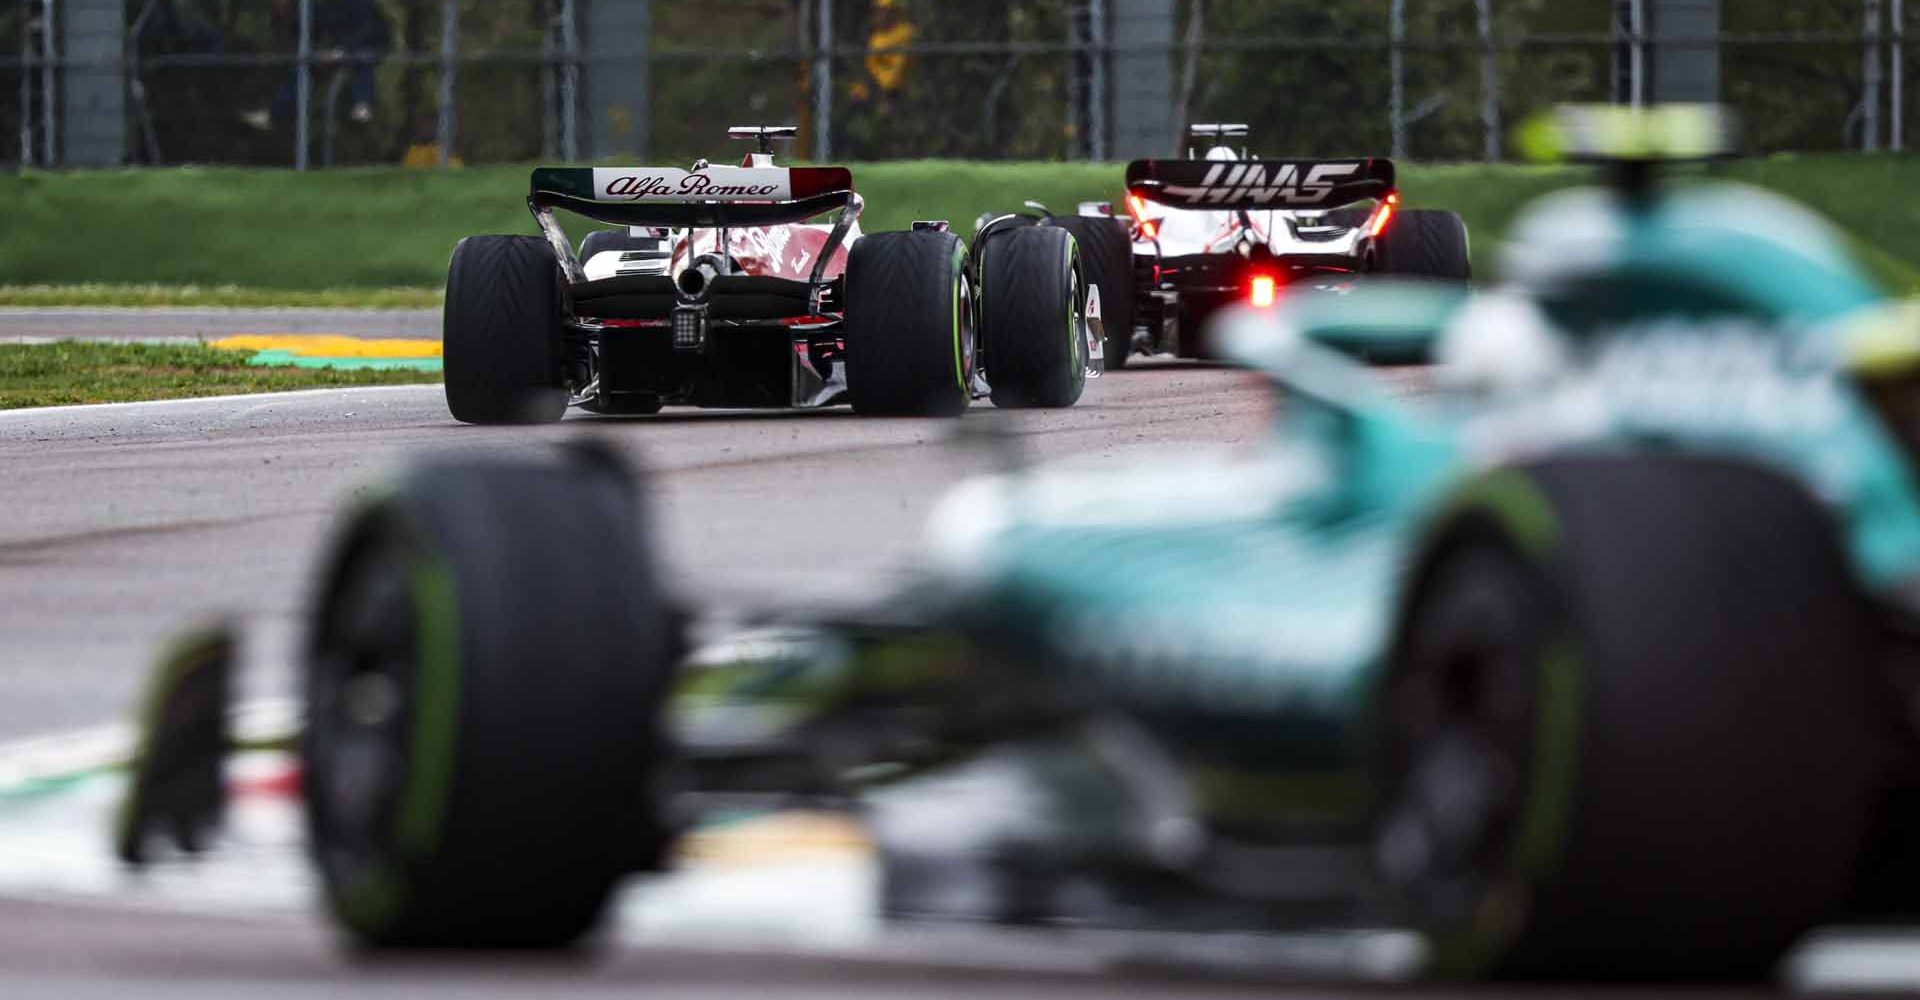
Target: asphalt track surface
(124, 523)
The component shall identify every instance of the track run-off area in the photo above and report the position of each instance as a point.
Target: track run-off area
(126, 523)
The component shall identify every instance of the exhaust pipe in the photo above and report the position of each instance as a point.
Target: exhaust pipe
(697, 280)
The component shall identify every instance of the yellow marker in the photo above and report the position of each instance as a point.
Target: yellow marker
(327, 345)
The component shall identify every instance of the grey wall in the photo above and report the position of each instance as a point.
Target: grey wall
(93, 116)
(1141, 82)
(614, 36)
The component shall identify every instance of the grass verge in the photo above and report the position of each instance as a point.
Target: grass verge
(83, 372)
(155, 295)
(382, 236)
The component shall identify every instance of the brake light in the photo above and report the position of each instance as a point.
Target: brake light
(1263, 290)
(1137, 207)
(1382, 214)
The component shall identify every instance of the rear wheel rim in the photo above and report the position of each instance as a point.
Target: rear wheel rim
(357, 715)
(1461, 716)
(969, 346)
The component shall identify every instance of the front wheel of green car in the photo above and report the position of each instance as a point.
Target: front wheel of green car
(1628, 724)
(1031, 326)
(485, 677)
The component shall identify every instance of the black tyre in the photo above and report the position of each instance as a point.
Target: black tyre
(501, 333)
(1426, 243)
(485, 678)
(1031, 332)
(909, 309)
(1629, 724)
(1106, 254)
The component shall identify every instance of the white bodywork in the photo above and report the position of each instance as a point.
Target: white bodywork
(1212, 231)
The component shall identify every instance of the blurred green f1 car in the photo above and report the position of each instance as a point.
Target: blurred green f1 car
(1594, 663)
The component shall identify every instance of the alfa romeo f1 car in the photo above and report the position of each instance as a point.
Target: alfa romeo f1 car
(1227, 228)
(721, 292)
(1598, 663)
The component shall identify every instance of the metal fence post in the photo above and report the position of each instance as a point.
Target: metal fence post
(1397, 77)
(303, 87)
(1097, 78)
(1895, 56)
(823, 85)
(26, 85)
(49, 49)
(449, 78)
(1637, 52)
(569, 80)
(1489, 82)
(1870, 76)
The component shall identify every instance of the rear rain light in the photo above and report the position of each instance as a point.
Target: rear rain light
(1263, 291)
(689, 329)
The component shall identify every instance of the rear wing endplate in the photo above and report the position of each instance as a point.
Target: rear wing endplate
(1260, 184)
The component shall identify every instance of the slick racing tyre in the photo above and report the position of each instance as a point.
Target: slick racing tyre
(909, 323)
(1426, 243)
(1031, 331)
(1106, 254)
(485, 677)
(501, 332)
(1628, 724)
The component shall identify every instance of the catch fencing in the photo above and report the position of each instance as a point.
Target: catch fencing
(310, 84)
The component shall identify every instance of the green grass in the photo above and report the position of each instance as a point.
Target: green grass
(153, 295)
(84, 372)
(381, 236)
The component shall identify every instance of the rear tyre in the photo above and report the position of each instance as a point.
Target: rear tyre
(1630, 730)
(501, 334)
(909, 323)
(1106, 253)
(485, 680)
(1426, 243)
(1031, 330)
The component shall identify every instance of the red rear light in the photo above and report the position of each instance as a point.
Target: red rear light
(1263, 290)
(1149, 229)
(1382, 214)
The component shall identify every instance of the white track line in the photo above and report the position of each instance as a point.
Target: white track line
(160, 404)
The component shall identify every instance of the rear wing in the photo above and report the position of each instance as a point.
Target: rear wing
(706, 198)
(1259, 184)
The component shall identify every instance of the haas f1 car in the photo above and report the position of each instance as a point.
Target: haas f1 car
(723, 291)
(1226, 228)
